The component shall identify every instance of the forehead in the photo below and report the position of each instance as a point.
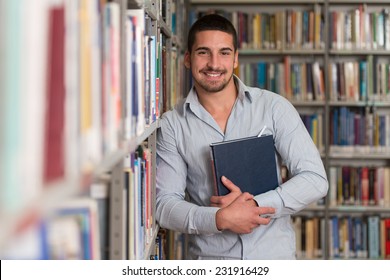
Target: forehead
(213, 39)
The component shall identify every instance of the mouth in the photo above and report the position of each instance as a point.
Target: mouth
(213, 74)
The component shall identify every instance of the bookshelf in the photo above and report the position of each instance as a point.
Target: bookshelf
(80, 111)
(282, 43)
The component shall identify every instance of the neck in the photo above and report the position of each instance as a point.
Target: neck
(219, 104)
(218, 101)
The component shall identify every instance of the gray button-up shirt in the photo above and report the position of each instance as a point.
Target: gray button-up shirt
(184, 164)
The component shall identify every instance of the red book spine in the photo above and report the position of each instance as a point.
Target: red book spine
(387, 238)
(55, 98)
(365, 187)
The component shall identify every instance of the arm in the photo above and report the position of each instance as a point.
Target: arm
(172, 210)
(298, 152)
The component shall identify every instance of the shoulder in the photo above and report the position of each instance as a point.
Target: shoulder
(172, 118)
(269, 99)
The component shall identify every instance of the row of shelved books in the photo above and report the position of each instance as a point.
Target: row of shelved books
(366, 80)
(363, 237)
(65, 102)
(178, 17)
(314, 124)
(309, 237)
(359, 237)
(284, 29)
(174, 244)
(138, 207)
(74, 230)
(359, 186)
(360, 28)
(53, 94)
(78, 228)
(297, 81)
(361, 130)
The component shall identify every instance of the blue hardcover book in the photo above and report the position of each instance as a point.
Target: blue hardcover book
(262, 74)
(363, 80)
(335, 237)
(249, 163)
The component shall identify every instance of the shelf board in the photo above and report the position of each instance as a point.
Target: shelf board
(358, 209)
(242, 2)
(165, 28)
(132, 144)
(315, 208)
(147, 132)
(351, 103)
(354, 154)
(306, 52)
(308, 103)
(333, 2)
(109, 162)
(348, 103)
(359, 52)
(150, 9)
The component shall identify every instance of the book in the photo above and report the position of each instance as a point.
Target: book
(248, 162)
(54, 158)
(73, 231)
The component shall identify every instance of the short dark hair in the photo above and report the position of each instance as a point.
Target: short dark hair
(211, 22)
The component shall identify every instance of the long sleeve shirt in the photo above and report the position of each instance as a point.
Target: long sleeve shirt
(184, 166)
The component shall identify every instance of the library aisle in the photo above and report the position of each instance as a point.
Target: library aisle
(83, 83)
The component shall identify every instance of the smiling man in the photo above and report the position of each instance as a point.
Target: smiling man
(220, 107)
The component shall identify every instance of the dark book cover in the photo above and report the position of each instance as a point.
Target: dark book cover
(248, 162)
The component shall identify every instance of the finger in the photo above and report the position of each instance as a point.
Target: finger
(246, 196)
(262, 220)
(267, 210)
(215, 199)
(229, 184)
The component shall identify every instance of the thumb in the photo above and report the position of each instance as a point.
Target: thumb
(230, 185)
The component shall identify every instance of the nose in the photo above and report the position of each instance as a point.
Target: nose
(212, 61)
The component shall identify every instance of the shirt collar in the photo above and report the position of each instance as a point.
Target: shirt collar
(192, 97)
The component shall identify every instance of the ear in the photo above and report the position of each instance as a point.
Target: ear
(187, 60)
(235, 63)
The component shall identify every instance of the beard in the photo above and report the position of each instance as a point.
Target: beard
(213, 86)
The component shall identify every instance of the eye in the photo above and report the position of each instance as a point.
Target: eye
(202, 52)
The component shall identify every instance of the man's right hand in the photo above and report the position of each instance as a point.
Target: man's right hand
(242, 215)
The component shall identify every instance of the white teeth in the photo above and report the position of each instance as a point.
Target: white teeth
(213, 75)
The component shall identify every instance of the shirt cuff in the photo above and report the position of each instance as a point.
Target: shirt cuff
(206, 222)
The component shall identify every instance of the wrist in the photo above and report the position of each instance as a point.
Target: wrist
(219, 221)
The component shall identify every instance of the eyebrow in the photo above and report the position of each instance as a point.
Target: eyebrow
(208, 49)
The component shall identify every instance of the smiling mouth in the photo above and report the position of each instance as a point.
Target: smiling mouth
(213, 75)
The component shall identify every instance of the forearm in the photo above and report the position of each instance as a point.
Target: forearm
(295, 194)
(180, 215)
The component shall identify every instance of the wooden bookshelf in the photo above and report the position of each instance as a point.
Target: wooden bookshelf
(106, 119)
(325, 55)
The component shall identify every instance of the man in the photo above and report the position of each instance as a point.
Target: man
(220, 107)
